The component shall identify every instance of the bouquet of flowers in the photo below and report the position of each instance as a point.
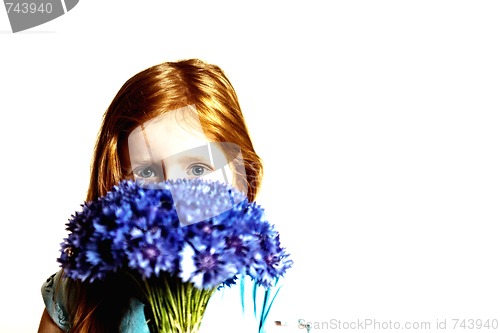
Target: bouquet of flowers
(179, 240)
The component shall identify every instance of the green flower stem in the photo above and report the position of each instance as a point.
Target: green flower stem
(176, 306)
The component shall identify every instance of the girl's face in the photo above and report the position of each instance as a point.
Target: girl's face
(173, 146)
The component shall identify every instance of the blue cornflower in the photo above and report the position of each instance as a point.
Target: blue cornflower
(153, 253)
(207, 266)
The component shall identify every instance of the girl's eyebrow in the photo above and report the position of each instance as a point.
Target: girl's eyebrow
(144, 162)
(180, 158)
(192, 158)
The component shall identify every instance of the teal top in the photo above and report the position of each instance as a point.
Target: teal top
(53, 295)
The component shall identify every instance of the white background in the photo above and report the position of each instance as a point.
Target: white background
(378, 123)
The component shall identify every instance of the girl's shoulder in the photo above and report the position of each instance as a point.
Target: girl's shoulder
(55, 291)
(54, 296)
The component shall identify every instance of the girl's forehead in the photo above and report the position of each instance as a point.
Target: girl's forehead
(169, 134)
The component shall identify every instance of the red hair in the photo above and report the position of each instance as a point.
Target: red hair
(162, 88)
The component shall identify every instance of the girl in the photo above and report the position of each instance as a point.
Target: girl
(173, 120)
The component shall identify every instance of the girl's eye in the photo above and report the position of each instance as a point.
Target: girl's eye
(198, 170)
(147, 172)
